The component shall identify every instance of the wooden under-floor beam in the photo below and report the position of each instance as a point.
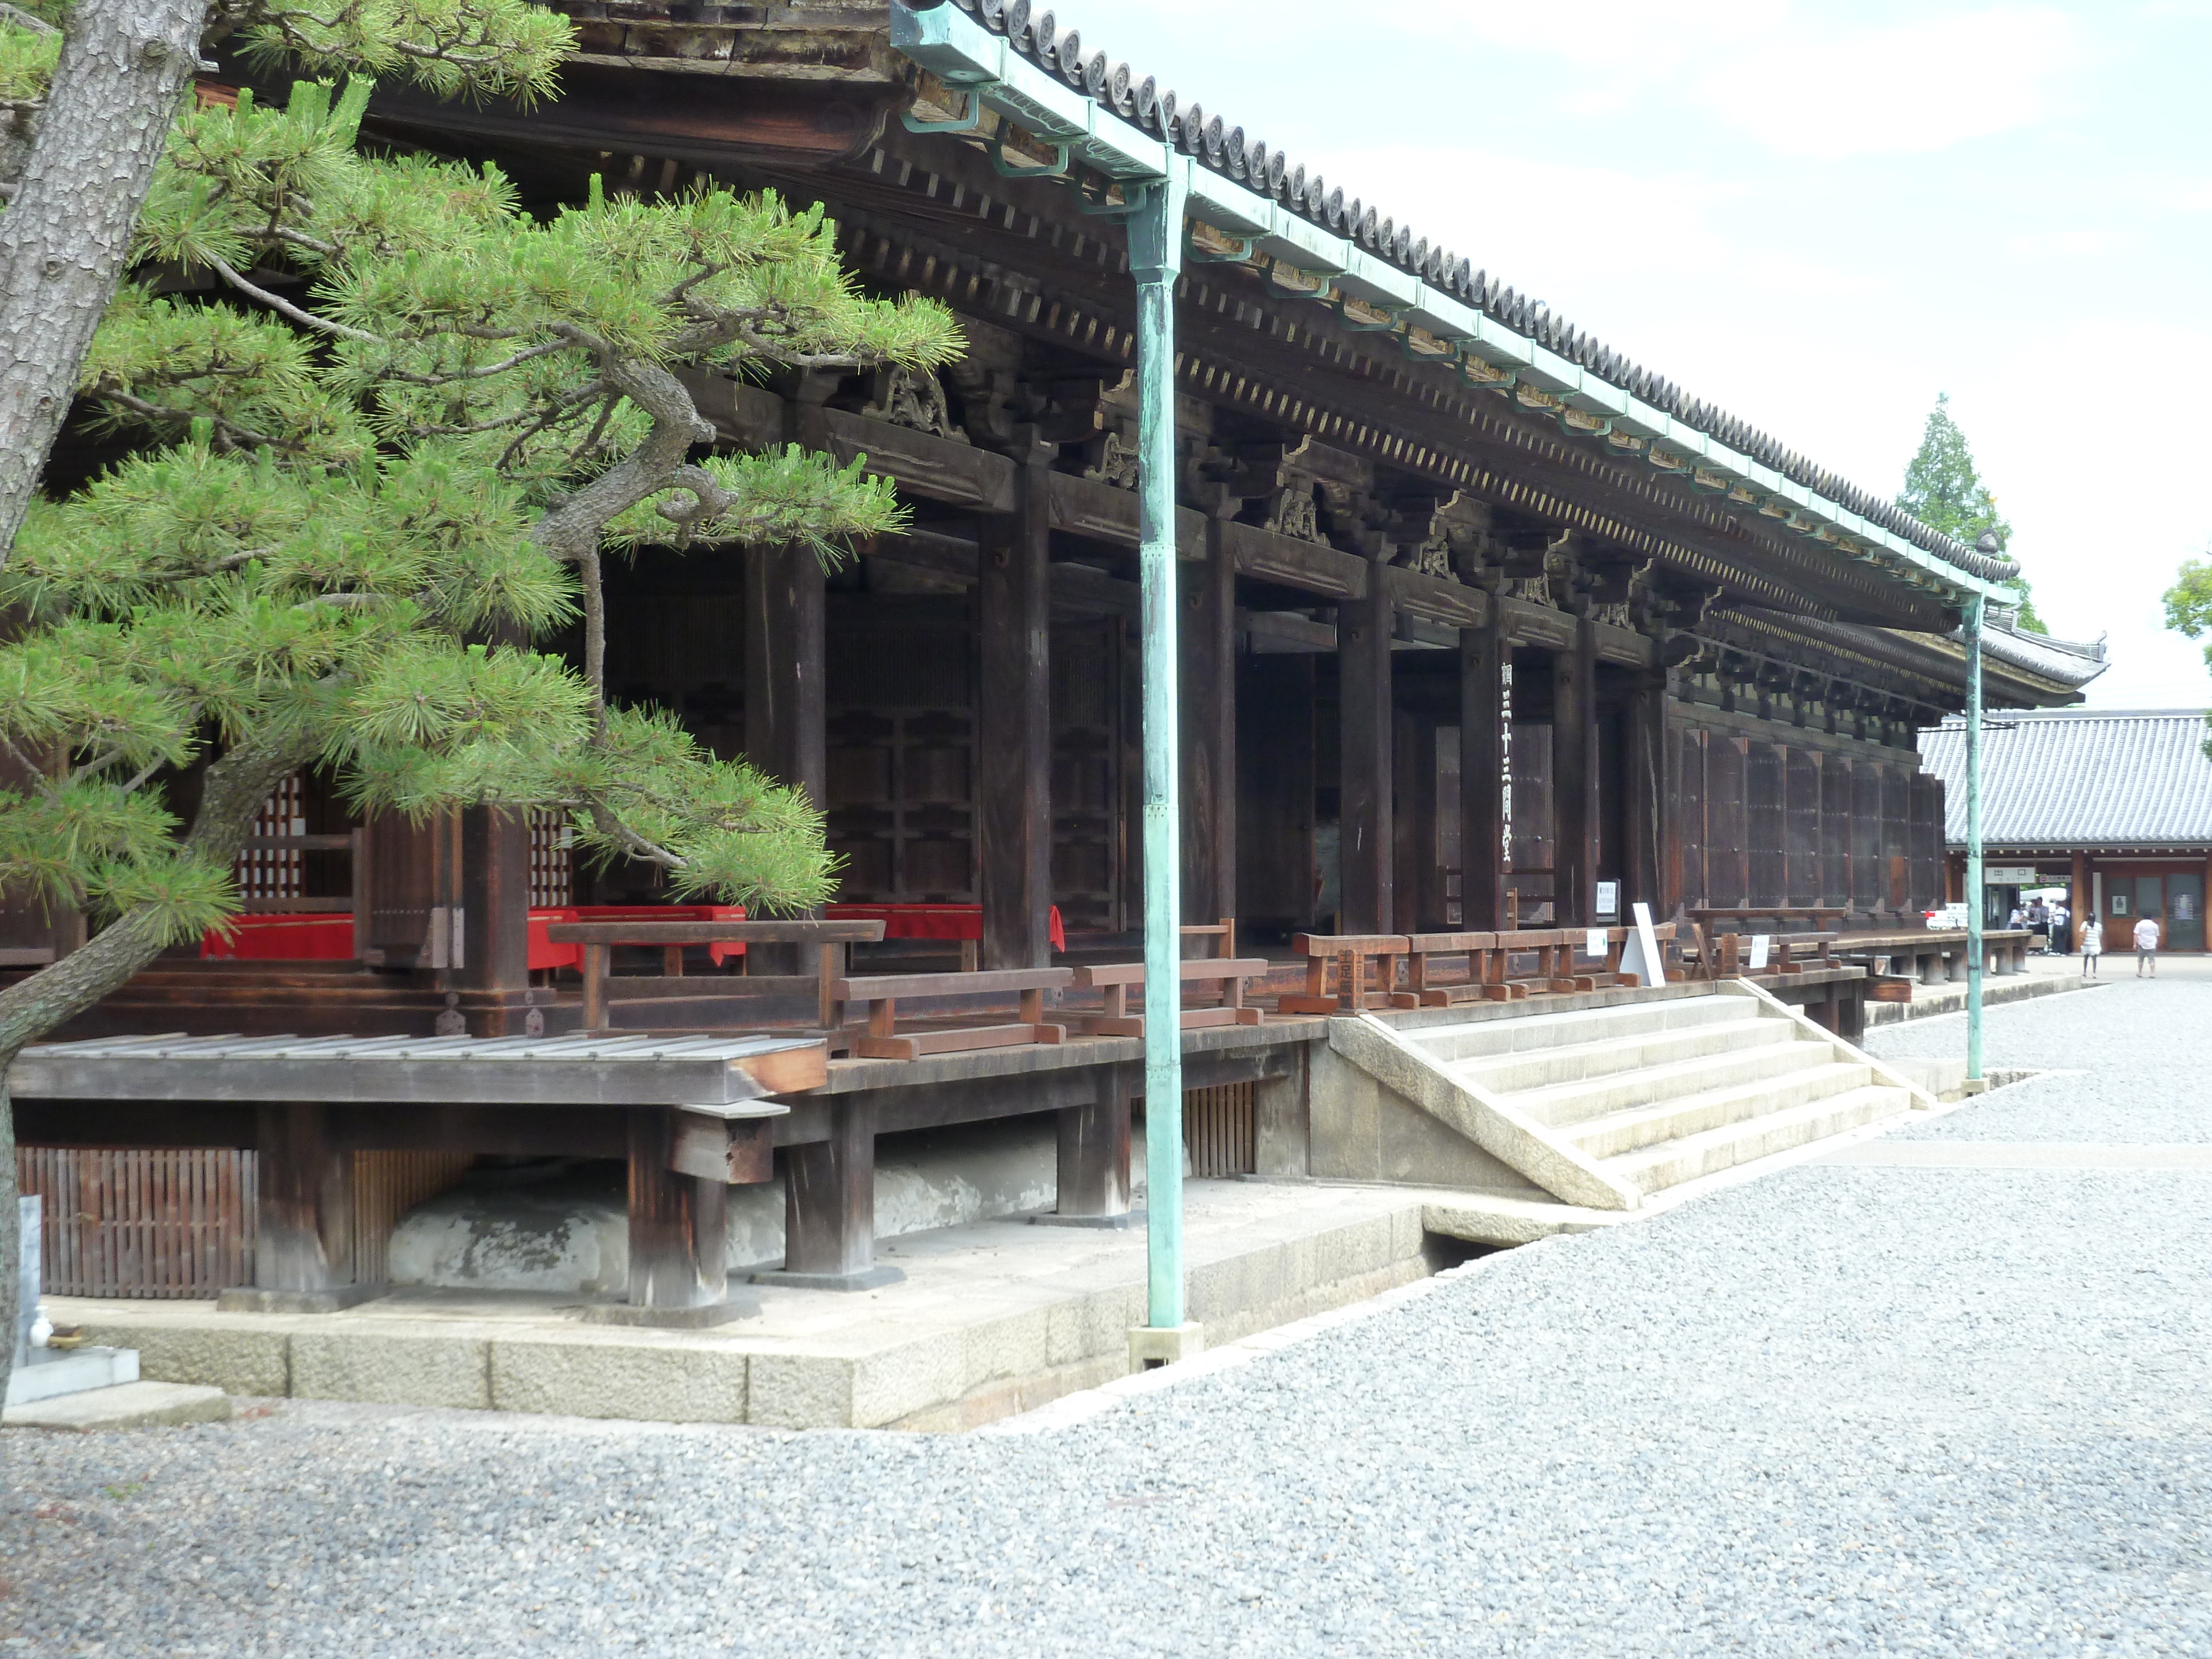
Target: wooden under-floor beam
(303, 1248)
(1094, 1153)
(829, 1207)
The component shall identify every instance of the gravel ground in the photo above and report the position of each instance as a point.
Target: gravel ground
(2116, 1056)
(1840, 1410)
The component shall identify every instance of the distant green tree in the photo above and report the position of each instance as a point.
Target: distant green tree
(1944, 490)
(2189, 608)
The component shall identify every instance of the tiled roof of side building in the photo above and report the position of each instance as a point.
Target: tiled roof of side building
(1216, 142)
(2062, 779)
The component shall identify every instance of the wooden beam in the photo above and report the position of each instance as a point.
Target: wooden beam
(830, 1206)
(1013, 758)
(1482, 762)
(1209, 732)
(676, 1224)
(305, 1186)
(1575, 780)
(1094, 1150)
(1365, 772)
(1291, 564)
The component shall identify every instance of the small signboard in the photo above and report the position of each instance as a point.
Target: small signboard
(2009, 875)
(1594, 942)
(1761, 943)
(1608, 898)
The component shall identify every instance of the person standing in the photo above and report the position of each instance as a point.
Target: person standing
(2092, 945)
(2147, 932)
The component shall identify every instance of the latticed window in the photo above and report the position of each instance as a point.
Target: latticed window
(271, 872)
(552, 872)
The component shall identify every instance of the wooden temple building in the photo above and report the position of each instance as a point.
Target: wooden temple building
(1462, 647)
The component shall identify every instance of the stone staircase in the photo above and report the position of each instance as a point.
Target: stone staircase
(1608, 1106)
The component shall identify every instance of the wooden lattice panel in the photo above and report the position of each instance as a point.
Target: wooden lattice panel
(273, 873)
(552, 860)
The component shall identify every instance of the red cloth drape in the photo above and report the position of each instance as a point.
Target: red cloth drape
(931, 921)
(329, 937)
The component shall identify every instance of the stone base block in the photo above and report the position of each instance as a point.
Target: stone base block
(52, 1371)
(127, 1406)
(868, 1279)
(740, 1306)
(1053, 1218)
(1154, 1346)
(336, 1300)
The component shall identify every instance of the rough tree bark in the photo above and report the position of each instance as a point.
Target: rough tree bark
(124, 66)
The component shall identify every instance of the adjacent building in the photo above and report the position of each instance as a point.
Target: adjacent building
(2114, 804)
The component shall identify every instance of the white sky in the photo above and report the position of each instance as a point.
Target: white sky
(1818, 215)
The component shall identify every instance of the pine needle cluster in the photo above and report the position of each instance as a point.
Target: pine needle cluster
(386, 453)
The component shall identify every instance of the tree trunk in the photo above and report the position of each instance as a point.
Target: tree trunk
(236, 786)
(62, 240)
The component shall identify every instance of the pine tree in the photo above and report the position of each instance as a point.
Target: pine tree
(2189, 610)
(1944, 490)
(393, 448)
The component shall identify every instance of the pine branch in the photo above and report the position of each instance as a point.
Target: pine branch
(284, 307)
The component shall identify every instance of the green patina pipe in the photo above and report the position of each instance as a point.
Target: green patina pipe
(1973, 632)
(1156, 237)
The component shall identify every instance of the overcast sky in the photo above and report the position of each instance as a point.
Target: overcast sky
(1818, 215)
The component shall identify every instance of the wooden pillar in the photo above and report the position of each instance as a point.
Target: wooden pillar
(786, 687)
(2077, 901)
(1094, 1153)
(1417, 875)
(678, 1265)
(1208, 699)
(1649, 795)
(494, 909)
(785, 706)
(1013, 728)
(1364, 771)
(830, 1206)
(1482, 762)
(303, 1252)
(1574, 779)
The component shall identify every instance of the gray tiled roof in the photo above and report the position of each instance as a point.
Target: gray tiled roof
(2076, 778)
(1218, 143)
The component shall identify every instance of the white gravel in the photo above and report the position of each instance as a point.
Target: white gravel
(1841, 1410)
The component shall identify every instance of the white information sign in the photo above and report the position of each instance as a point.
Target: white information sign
(1759, 943)
(1594, 942)
(2009, 875)
(1640, 956)
(1608, 898)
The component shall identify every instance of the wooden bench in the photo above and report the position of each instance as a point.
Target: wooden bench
(831, 940)
(879, 995)
(1351, 952)
(1723, 957)
(1118, 979)
(1489, 969)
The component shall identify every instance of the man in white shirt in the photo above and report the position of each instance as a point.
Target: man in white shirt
(2147, 946)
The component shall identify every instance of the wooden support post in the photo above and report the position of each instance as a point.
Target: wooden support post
(1574, 780)
(1094, 1154)
(1482, 776)
(1014, 727)
(1650, 795)
(303, 1255)
(1207, 646)
(678, 1273)
(785, 689)
(1365, 772)
(830, 1205)
(494, 918)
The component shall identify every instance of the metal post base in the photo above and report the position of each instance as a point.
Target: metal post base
(739, 1306)
(336, 1300)
(868, 1279)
